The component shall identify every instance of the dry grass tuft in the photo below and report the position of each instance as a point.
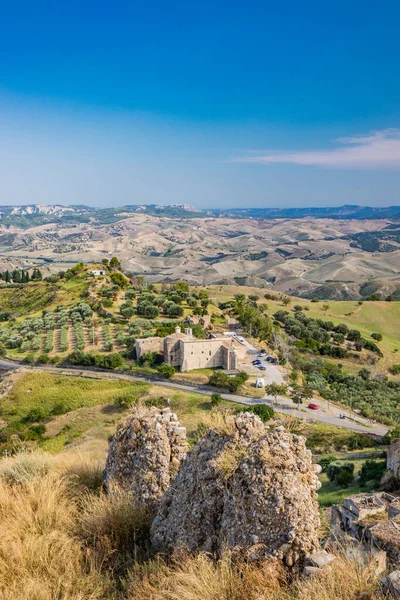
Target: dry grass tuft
(84, 472)
(115, 530)
(40, 558)
(200, 577)
(227, 463)
(24, 467)
(347, 580)
(220, 421)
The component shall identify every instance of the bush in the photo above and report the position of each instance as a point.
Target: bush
(336, 468)
(36, 414)
(166, 370)
(325, 461)
(377, 336)
(263, 411)
(372, 471)
(344, 478)
(216, 399)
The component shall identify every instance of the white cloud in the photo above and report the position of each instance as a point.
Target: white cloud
(377, 150)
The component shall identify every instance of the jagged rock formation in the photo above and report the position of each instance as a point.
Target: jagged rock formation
(145, 454)
(392, 477)
(246, 488)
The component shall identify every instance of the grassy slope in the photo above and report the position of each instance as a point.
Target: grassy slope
(370, 317)
(92, 413)
(30, 300)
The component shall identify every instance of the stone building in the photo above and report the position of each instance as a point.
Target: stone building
(187, 352)
(373, 519)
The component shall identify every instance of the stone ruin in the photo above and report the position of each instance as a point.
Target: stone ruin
(145, 454)
(244, 488)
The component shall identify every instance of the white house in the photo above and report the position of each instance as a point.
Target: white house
(98, 272)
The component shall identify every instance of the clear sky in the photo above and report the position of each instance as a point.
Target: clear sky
(256, 103)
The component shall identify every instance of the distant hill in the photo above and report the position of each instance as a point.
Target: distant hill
(330, 212)
(40, 214)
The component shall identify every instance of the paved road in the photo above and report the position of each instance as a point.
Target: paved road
(284, 405)
(5, 365)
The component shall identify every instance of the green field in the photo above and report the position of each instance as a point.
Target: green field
(369, 317)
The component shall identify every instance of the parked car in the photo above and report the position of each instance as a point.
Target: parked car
(240, 338)
(269, 358)
(262, 353)
(256, 362)
(274, 361)
(262, 368)
(313, 406)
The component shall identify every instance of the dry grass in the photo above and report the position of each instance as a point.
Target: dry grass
(25, 466)
(63, 539)
(227, 463)
(200, 577)
(40, 557)
(115, 529)
(220, 421)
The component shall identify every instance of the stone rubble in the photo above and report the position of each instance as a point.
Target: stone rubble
(145, 454)
(244, 488)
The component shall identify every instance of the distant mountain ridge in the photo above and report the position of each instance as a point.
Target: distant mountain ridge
(28, 215)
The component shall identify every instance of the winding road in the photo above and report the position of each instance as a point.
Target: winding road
(327, 414)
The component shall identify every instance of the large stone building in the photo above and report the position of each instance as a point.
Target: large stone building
(187, 352)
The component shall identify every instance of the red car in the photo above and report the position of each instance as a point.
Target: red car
(313, 406)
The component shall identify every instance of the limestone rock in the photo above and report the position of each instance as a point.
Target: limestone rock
(246, 489)
(391, 585)
(145, 454)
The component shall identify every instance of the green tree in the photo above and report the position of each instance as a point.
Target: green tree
(301, 394)
(275, 390)
(115, 263)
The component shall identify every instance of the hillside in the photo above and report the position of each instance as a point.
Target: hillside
(316, 253)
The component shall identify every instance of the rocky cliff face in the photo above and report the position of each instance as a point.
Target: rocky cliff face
(145, 454)
(245, 488)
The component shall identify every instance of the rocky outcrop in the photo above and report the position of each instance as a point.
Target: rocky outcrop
(392, 477)
(145, 454)
(245, 488)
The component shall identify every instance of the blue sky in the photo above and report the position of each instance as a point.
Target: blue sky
(214, 103)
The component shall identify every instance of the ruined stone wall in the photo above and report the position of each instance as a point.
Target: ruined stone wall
(244, 488)
(145, 454)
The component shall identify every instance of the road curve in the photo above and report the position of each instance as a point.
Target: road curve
(6, 365)
(283, 405)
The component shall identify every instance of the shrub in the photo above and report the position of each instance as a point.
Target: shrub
(377, 336)
(24, 466)
(372, 470)
(336, 469)
(216, 399)
(166, 370)
(36, 414)
(263, 411)
(325, 461)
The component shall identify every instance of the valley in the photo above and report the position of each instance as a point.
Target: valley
(343, 257)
